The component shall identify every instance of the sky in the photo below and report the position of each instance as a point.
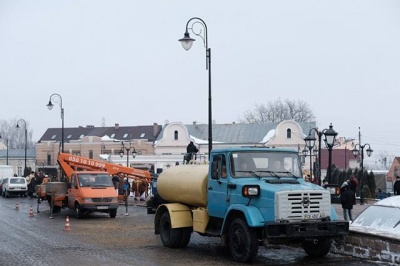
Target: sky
(121, 62)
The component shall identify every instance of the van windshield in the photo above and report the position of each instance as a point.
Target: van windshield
(95, 180)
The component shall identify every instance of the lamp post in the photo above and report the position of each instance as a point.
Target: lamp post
(330, 136)
(319, 134)
(187, 43)
(26, 140)
(121, 152)
(310, 142)
(356, 152)
(58, 99)
(1, 136)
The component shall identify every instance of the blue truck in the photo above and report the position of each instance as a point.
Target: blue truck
(249, 197)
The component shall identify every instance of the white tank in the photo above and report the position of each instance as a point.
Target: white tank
(186, 184)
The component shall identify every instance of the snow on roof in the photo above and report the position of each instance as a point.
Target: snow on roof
(269, 135)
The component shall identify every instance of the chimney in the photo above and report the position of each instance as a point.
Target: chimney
(116, 125)
(194, 123)
(155, 129)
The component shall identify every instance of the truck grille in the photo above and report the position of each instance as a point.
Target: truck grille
(101, 200)
(302, 205)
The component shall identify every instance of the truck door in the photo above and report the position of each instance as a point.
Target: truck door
(72, 191)
(218, 198)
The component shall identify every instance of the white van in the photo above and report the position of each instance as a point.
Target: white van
(14, 186)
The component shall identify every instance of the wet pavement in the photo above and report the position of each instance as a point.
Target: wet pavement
(125, 240)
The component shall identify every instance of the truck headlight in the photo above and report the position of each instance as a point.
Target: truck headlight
(87, 200)
(251, 191)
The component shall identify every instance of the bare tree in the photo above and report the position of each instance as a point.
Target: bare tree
(277, 111)
(14, 135)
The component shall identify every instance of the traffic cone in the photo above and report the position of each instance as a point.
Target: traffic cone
(17, 206)
(31, 212)
(67, 228)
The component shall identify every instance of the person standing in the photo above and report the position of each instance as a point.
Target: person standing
(396, 186)
(30, 183)
(191, 150)
(126, 188)
(347, 199)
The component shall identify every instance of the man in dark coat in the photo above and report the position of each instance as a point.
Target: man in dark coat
(347, 199)
(396, 186)
(190, 150)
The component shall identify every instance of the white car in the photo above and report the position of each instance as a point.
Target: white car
(14, 186)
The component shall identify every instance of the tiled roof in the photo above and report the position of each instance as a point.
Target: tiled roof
(117, 132)
(237, 132)
(18, 153)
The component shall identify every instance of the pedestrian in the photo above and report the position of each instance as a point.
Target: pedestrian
(353, 182)
(46, 179)
(324, 183)
(115, 180)
(396, 186)
(191, 150)
(126, 187)
(30, 182)
(347, 199)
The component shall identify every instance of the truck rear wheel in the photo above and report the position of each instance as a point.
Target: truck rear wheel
(186, 233)
(242, 240)
(169, 237)
(317, 248)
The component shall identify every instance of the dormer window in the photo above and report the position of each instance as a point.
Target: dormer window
(142, 135)
(54, 136)
(125, 135)
(289, 133)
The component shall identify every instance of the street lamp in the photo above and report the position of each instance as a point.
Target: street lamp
(330, 136)
(356, 152)
(317, 152)
(2, 134)
(58, 99)
(121, 152)
(310, 142)
(187, 43)
(26, 140)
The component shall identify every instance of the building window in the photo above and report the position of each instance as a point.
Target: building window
(176, 135)
(19, 170)
(53, 137)
(76, 153)
(90, 154)
(289, 133)
(69, 136)
(48, 159)
(125, 135)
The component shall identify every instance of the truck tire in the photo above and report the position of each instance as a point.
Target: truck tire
(170, 238)
(186, 233)
(317, 248)
(242, 241)
(113, 213)
(78, 212)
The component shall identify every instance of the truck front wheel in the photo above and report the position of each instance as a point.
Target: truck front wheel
(242, 240)
(317, 248)
(78, 212)
(113, 213)
(169, 237)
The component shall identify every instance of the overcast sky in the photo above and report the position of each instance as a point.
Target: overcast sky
(121, 62)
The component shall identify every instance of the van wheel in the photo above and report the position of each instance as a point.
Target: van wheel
(243, 241)
(78, 212)
(317, 248)
(170, 238)
(113, 213)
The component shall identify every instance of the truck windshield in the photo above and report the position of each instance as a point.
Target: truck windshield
(261, 164)
(95, 180)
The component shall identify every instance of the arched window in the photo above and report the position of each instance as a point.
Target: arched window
(289, 133)
(176, 135)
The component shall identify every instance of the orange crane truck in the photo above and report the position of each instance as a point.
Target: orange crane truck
(88, 186)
